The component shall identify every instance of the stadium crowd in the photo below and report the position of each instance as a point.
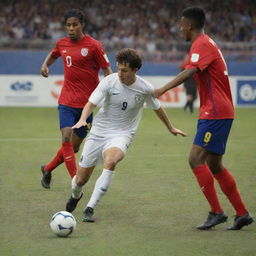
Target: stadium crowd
(151, 26)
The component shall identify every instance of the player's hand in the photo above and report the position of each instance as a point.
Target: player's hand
(157, 93)
(176, 132)
(44, 71)
(79, 124)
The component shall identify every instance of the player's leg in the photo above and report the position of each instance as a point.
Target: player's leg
(229, 188)
(205, 180)
(71, 141)
(113, 152)
(57, 160)
(190, 103)
(79, 180)
(187, 102)
(204, 176)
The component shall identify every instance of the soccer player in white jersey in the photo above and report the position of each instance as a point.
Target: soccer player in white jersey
(123, 95)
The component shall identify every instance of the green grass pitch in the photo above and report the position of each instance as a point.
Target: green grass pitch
(152, 207)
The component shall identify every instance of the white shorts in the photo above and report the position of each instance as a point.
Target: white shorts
(95, 147)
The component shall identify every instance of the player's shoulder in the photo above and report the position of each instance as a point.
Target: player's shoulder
(204, 41)
(143, 83)
(92, 40)
(111, 79)
(63, 40)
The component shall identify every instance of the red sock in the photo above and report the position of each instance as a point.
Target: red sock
(56, 161)
(229, 188)
(69, 158)
(206, 182)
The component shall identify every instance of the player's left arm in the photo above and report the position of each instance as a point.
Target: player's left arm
(164, 118)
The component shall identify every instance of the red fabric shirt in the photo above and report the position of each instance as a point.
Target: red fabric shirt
(82, 61)
(211, 79)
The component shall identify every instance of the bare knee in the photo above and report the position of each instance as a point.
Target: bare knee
(82, 179)
(197, 156)
(215, 163)
(110, 163)
(195, 160)
(66, 139)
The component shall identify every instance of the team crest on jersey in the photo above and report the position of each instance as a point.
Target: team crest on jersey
(139, 98)
(84, 51)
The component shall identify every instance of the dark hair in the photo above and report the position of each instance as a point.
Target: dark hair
(130, 56)
(75, 13)
(196, 14)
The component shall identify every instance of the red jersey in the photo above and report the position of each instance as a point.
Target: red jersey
(211, 79)
(82, 61)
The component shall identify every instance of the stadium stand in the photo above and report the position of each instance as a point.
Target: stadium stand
(150, 26)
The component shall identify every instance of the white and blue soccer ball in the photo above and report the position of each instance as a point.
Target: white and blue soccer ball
(63, 223)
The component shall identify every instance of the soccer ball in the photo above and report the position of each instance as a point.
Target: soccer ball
(63, 223)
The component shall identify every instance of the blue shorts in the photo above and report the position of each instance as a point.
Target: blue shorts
(69, 116)
(212, 135)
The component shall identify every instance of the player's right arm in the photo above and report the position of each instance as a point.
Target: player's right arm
(88, 108)
(95, 98)
(179, 79)
(49, 60)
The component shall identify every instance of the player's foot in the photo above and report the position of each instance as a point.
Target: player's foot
(46, 179)
(212, 220)
(72, 203)
(88, 215)
(241, 221)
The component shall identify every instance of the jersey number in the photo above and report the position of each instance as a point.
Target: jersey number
(125, 104)
(207, 137)
(68, 61)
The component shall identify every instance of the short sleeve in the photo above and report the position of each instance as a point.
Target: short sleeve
(100, 92)
(101, 56)
(55, 53)
(151, 102)
(200, 56)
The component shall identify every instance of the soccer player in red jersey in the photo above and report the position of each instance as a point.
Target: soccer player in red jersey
(207, 65)
(82, 57)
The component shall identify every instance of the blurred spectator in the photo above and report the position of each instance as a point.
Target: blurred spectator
(151, 26)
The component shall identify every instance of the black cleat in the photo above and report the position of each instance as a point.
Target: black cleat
(88, 213)
(241, 221)
(46, 179)
(72, 203)
(213, 219)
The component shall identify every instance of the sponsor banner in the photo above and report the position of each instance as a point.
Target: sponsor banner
(29, 90)
(246, 92)
(37, 91)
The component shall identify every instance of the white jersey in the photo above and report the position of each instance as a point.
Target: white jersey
(122, 106)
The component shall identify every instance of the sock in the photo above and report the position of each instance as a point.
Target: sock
(56, 161)
(229, 188)
(101, 186)
(69, 158)
(206, 182)
(76, 190)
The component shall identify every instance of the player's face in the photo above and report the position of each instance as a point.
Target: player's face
(74, 28)
(126, 75)
(185, 28)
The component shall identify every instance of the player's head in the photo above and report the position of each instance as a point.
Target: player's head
(128, 63)
(193, 19)
(74, 23)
